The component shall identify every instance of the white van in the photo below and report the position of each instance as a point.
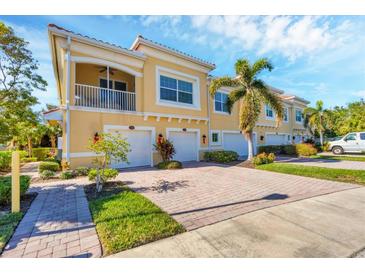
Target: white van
(352, 142)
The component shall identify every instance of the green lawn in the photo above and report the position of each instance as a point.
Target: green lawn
(342, 175)
(8, 223)
(342, 158)
(128, 219)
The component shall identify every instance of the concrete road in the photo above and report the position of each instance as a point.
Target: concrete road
(331, 225)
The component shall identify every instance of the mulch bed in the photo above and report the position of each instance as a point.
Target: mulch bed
(25, 202)
(246, 164)
(109, 189)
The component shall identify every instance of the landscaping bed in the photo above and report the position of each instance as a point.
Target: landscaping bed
(125, 219)
(342, 175)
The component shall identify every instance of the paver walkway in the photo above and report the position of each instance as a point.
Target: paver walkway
(201, 193)
(355, 165)
(324, 226)
(58, 224)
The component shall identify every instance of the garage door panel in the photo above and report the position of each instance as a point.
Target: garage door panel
(185, 144)
(140, 148)
(276, 139)
(236, 142)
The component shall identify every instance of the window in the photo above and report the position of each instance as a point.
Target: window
(269, 112)
(298, 115)
(215, 137)
(351, 137)
(362, 136)
(117, 85)
(220, 102)
(176, 90)
(286, 116)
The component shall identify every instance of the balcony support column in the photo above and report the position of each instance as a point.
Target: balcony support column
(68, 88)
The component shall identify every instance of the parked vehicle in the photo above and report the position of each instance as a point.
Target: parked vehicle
(352, 142)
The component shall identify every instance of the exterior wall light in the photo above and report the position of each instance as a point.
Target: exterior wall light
(204, 138)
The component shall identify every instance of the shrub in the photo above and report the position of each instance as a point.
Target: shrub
(221, 156)
(29, 159)
(271, 149)
(5, 158)
(166, 149)
(305, 150)
(169, 165)
(82, 171)
(46, 174)
(66, 175)
(263, 158)
(289, 150)
(41, 153)
(5, 188)
(109, 173)
(48, 166)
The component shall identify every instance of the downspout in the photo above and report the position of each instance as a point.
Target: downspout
(208, 104)
(68, 88)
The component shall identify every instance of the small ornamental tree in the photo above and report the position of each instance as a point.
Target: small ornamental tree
(166, 149)
(108, 147)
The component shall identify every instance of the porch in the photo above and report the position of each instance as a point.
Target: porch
(103, 87)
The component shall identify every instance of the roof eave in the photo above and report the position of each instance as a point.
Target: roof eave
(140, 40)
(64, 33)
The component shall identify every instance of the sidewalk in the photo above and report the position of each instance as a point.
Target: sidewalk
(325, 226)
(58, 224)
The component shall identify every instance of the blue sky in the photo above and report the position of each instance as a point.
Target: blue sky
(314, 57)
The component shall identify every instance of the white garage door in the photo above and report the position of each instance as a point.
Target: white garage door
(298, 139)
(140, 146)
(273, 139)
(185, 144)
(236, 142)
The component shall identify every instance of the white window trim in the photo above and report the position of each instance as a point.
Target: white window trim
(295, 116)
(219, 143)
(196, 130)
(113, 81)
(268, 117)
(287, 115)
(179, 76)
(219, 111)
(151, 129)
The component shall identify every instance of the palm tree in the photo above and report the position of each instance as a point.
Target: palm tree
(250, 92)
(316, 119)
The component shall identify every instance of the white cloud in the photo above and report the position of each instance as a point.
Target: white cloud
(360, 93)
(289, 36)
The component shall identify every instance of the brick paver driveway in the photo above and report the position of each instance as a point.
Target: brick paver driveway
(202, 193)
(58, 224)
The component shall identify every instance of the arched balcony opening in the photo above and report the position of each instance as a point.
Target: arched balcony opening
(104, 87)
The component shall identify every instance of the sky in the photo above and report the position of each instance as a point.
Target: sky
(314, 57)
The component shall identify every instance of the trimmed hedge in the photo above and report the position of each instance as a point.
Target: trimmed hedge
(41, 153)
(47, 174)
(29, 159)
(109, 173)
(294, 150)
(221, 156)
(66, 175)
(169, 165)
(5, 188)
(82, 171)
(5, 158)
(52, 166)
(263, 158)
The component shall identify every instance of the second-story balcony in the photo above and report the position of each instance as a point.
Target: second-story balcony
(98, 97)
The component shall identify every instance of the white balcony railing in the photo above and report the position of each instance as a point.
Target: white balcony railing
(97, 97)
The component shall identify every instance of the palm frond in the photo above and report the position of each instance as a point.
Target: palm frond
(217, 83)
(270, 98)
(249, 113)
(235, 96)
(261, 65)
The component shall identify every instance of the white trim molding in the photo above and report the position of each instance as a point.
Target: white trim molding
(196, 130)
(97, 61)
(137, 128)
(179, 76)
(295, 116)
(220, 112)
(273, 113)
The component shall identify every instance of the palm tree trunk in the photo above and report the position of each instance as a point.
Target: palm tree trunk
(250, 145)
(321, 137)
